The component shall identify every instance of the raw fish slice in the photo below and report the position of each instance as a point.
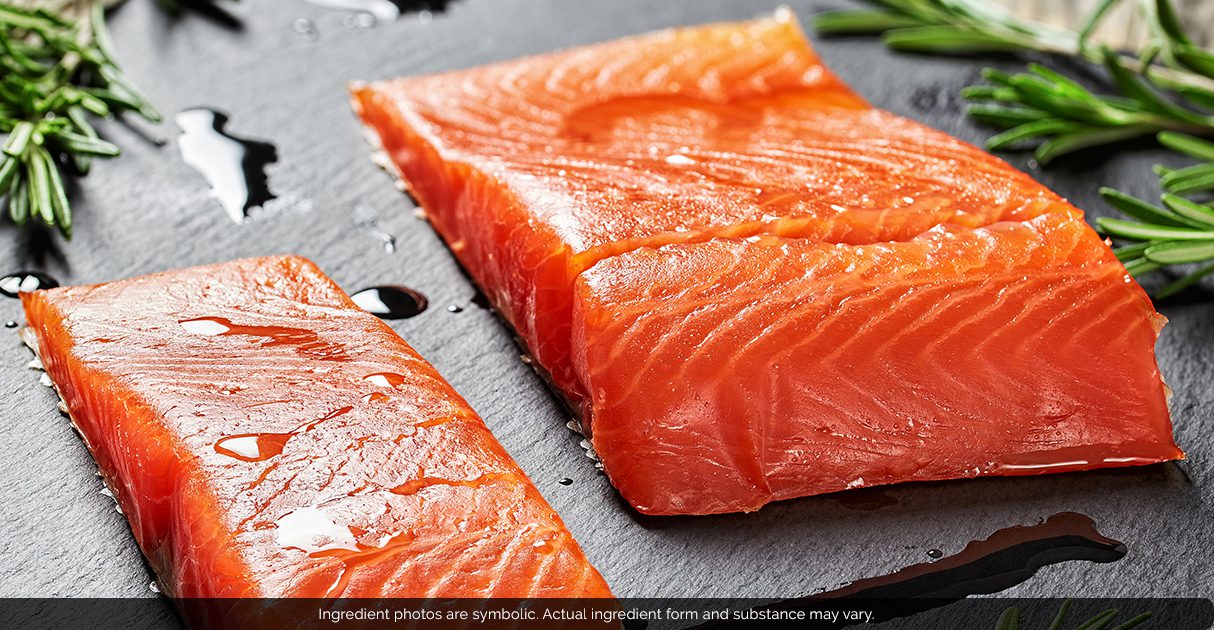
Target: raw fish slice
(604, 197)
(533, 170)
(265, 437)
(731, 373)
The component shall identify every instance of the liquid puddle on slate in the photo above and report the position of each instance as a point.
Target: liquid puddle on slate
(1004, 559)
(383, 10)
(391, 301)
(234, 167)
(18, 282)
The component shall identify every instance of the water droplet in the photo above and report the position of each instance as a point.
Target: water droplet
(935, 554)
(152, 586)
(305, 341)
(306, 28)
(234, 167)
(566, 482)
(10, 324)
(455, 308)
(359, 20)
(253, 447)
(204, 326)
(385, 379)
(679, 160)
(391, 302)
(20, 282)
(311, 530)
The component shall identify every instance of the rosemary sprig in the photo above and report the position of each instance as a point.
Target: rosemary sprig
(56, 75)
(1166, 90)
(1010, 619)
(1168, 86)
(947, 27)
(978, 26)
(1179, 232)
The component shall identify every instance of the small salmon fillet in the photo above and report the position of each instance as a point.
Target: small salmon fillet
(557, 179)
(265, 437)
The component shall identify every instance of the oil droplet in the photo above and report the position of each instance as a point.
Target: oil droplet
(359, 20)
(306, 29)
(253, 447)
(455, 308)
(20, 282)
(234, 167)
(391, 302)
(256, 447)
(311, 530)
(935, 554)
(10, 324)
(204, 326)
(566, 482)
(384, 379)
(306, 342)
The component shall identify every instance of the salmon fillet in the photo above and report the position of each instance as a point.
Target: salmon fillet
(534, 170)
(555, 179)
(265, 437)
(806, 367)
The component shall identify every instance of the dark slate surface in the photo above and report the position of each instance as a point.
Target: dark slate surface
(148, 211)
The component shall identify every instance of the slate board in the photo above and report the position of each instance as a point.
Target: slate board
(148, 211)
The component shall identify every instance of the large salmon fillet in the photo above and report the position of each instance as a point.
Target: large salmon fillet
(806, 367)
(265, 437)
(555, 178)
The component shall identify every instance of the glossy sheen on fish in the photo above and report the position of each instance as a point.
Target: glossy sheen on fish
(534, 170)
(805, 367)
(547, 175)
(265, 437)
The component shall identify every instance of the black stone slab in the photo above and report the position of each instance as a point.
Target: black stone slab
(285, 82)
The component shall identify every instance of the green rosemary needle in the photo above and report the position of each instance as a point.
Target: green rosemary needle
(1010, 619)
(1178, 232)
(56, 75)
(1165, 90)
(1168, 86)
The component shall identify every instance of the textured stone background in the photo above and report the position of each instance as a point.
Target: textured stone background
(148, 211)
